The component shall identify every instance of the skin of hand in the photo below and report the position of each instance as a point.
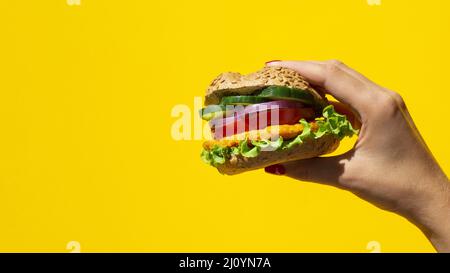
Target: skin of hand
(390, 165)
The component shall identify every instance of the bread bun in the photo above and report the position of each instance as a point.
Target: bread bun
(308, 149)
(231, 83)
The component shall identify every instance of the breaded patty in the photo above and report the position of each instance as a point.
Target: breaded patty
(271, 132)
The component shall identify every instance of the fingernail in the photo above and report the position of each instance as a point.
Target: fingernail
(275, 169)
(273, 61)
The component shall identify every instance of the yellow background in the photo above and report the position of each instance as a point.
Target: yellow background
(86, 94)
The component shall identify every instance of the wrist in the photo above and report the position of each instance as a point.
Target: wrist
(432, 215)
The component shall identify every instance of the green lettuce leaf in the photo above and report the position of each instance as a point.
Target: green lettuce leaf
(206, 156)
(246, 151)
(235, 150)
(306, 133)
(216, 155)
(267, 145)
(334, 124)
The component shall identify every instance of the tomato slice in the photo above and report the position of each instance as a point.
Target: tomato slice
(259, 120)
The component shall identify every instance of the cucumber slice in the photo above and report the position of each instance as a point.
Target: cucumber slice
(286, 93)
(210, 116)
(212, 111)
(243, 100)
(215, 111)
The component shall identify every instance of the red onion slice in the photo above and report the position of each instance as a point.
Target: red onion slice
(241, 111)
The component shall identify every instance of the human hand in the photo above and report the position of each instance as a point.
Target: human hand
(390, 164)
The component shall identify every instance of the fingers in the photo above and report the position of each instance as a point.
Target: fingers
(345, 84)
(324, 170)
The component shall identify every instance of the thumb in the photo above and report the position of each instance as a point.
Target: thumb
(324, 170)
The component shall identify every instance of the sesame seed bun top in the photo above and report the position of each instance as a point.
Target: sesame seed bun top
(231, 83)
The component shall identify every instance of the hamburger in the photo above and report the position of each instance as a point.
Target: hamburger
(268, 117)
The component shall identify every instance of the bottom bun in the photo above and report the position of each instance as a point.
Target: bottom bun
(308, 149)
